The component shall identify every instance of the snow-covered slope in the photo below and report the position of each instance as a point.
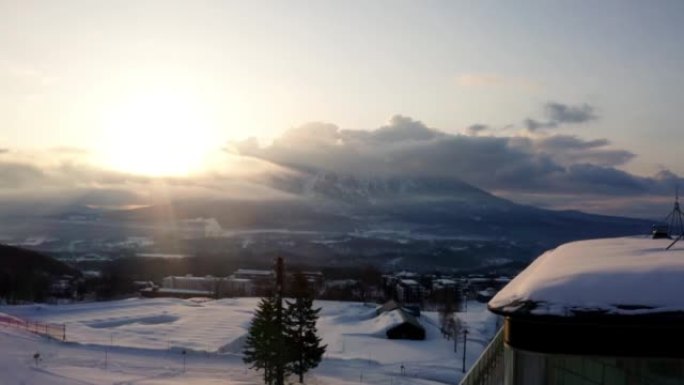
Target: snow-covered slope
(143, 339)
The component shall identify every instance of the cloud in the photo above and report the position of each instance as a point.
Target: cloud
(476, 129)
(41, 182)
(534, 125)
(540, 165)
(569, 149)
(543, 166)
(558, 114)
(564, 142)
(563, 113)
(14, 175)
(402, 128)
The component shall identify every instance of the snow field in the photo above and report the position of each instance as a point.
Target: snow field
(141, 342)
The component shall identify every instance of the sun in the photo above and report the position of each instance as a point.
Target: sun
(158, 134)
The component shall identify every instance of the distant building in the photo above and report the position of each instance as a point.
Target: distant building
(408, 329)
(66, 286)
(315, 278)
(261, 280)
(242, 283)
(409, 291)
(444, 284)
(190, 282)
(386, 307)
(188, 285)
(405, 325)
(237, 287)
(154, 292)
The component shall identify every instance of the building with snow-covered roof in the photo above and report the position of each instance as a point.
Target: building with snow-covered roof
(261, 281)
(409, 291)
(237, 287)
(607, 311)
(208, 284)
(400, 323)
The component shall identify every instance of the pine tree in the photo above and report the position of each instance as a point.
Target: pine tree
(266, 345)
(305, 351)
(261, 348)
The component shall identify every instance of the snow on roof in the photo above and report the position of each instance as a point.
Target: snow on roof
(409, 282)
(238, 280)
(192, 278)
(393, 318)
(166, 290)
(631, 275)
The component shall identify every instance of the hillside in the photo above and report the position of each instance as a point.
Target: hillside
(420, 223)
(26, 274)
(390, 222)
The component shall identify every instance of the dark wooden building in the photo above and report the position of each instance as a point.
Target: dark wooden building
(408, 329)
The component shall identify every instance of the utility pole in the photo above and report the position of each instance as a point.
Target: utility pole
(465, 340)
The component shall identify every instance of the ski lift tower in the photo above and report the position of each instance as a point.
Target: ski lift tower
(673, 224)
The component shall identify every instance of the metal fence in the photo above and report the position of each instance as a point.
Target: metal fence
(52, 330)
(489, 367)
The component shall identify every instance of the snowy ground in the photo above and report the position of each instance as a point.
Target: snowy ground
(139, 341)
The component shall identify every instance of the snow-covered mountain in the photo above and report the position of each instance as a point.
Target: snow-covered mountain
(416, 222)
(358, 189)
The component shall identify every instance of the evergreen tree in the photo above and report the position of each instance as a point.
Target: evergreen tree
(305, 351)
(264, 335)
(266, 345)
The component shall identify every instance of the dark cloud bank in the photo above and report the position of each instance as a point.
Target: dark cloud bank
(545, 166)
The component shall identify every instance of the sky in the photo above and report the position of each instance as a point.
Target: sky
(562, 101)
